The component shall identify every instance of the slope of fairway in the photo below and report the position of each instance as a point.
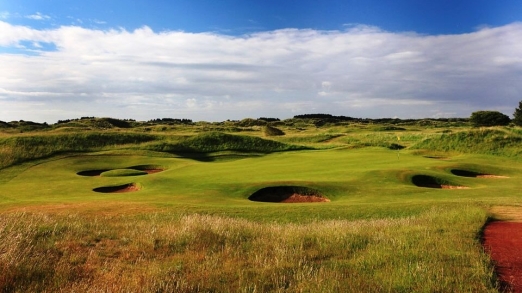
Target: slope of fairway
(369, 182)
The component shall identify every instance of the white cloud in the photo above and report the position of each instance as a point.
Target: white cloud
(38, 16)
(361, 72)
(97, 21)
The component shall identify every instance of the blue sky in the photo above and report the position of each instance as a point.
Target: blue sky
(231, 59)
(240, 16)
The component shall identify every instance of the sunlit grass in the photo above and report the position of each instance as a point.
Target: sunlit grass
(191, 227)
(437, 251)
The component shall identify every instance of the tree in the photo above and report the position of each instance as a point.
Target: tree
(489, 118)
(517, 116)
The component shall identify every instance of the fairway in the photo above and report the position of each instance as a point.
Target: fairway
(350, 179)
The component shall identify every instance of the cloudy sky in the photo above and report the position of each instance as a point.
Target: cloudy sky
(233, 59)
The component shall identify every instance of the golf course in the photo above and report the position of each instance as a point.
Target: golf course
(320, 205)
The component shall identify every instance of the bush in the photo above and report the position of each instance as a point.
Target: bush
(517, 116)
(489, 118)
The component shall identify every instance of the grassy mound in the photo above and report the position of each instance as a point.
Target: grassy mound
(149, 168)
(272, 131)
(18, 149)
(488, 141)
(123, 172)
(217, 142)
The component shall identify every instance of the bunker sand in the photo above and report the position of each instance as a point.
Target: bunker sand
(503, 241)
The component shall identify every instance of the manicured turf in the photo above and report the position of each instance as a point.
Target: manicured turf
(367, 183)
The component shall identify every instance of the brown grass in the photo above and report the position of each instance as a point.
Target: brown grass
(507, 213)
(109, 251)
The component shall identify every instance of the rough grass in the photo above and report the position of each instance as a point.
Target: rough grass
(437, 251)
(217, 141)
(17, 149)
(490, 141)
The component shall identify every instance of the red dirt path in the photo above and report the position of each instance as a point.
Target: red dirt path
(503, 241)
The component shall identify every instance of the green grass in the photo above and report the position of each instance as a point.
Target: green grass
(18, 149)
(191, 227)
(217, 141)
(496, 141)
(122, 172)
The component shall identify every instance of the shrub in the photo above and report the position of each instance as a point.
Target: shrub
(489, 118)
(395, 146)
(517, 116)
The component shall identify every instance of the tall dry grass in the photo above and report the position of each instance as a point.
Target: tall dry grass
(438, 251)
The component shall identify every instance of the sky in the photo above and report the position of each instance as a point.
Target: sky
(210, 60)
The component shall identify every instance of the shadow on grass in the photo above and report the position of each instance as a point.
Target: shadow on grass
(288, 194)
(213, 157)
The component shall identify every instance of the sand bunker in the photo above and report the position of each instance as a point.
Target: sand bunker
(473, 174)
(434, 182)
(92, 173)
(437, 157)
(129, 187)
(288, 194)
(150, 169)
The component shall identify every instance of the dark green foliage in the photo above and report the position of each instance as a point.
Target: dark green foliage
(268, 119)
(489, 118)
(248, 122)
(324, 116)
(4, 125)
(396, 146)
(26, 125)
(118, 123)
(100, 123)
(272, 131)
(170, 121)
(390, 128)
(517, 116)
